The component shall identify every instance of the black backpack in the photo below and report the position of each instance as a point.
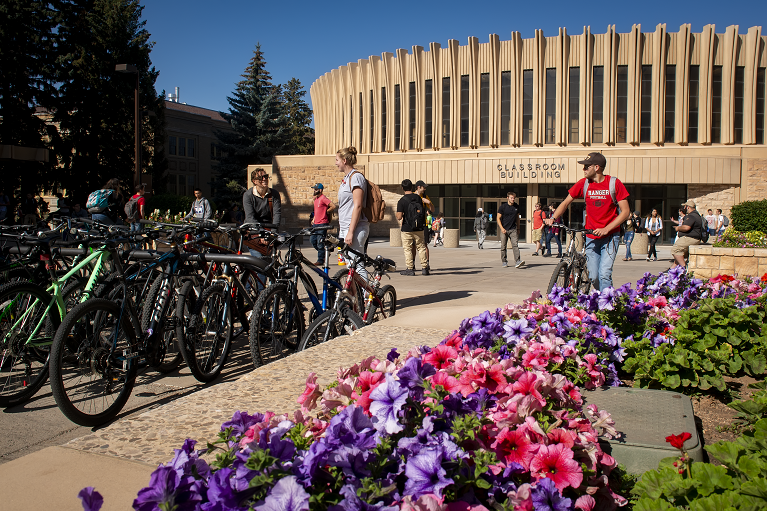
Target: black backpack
(415, 214)
(131, 209)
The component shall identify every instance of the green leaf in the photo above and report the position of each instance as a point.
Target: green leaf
(716, 502)
(756, 488)
(651, 484)
(756, 365)
(735, 363)
(711, 478)
(481, 483)
(751, 465)
(671, 381)
(726, 452)
(650, 504)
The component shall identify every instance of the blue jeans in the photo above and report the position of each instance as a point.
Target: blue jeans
(318, 242)
(101, 217)
(551, 236)
(628, 238)
(600, 257)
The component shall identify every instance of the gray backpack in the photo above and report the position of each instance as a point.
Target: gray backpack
(612, 191)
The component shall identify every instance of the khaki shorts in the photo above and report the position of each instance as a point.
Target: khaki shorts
(683, 244)
(537, 234)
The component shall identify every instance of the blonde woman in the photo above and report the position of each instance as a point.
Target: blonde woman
(354, 228)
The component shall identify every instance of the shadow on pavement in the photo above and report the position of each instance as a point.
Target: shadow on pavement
(437, 297)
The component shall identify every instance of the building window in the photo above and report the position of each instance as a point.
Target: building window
(360, 119)
(622, 104)
(551, 104)
(737, 116)
(692, 117)
(412, 115)
(505, 107)
(527, 106)
(372, 119)
(670, 118)
(598, 87)
(190, 145)
(383, 119)
(574, 103)
(446, 112)
(760, 84)
(484, 109)
(645, 105)
(172, 146)
(427, 110)
(181, 146)
(464, 110)
(397, 117)
(716, 105)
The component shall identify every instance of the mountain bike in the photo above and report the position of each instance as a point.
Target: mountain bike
(572, 271)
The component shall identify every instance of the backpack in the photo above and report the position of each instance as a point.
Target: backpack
(98, 201)
(131, 209)
(375, 207)
(435, 225)
(414, 214)
(725, 221)
(703, 229)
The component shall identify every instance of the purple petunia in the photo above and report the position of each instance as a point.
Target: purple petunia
(352, 502)
(351, 427)
(412, 375)
(392, 355)
(287, 495)
(546, 497)
(425, 474)
(167, 488)
(387, 401)
(516, 329)
(241, 421)
(91, 499)
(606, 299)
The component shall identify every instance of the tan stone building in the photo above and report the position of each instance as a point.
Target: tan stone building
(678, 115)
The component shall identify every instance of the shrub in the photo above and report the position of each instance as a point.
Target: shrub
(750, 216)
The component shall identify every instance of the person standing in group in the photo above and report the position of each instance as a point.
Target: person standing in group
(420, 190)
(721, 222)
(113, 213)
(139, 214)
(480, 227)
(690, 233)
(29, 209)
(710, 222)
(237, 216)
(553, 233)
(262, 205)
(678, 221)
(5, 205)
(320, 218)
(633, 224)
(654, 226)
(411, 214)
(354, 227)
(508, 215)
(200, 209)
(538, 217)
(604, 197)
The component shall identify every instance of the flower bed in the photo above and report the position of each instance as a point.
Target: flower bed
(731, 238)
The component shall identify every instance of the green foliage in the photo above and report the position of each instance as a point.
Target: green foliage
(749, 216)
(751, 410)
(173, 203)
(739, 484)
(300, 132)
(713, 340)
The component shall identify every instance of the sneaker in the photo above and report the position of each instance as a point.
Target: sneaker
(505, 265)
(546, 255)
(535, 253)
(425, 271)
(559, 256)
(519, 264)
(408, 272)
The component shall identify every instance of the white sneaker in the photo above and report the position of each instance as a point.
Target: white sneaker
(519, 264)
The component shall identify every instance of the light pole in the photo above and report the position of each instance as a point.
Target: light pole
(131, 69)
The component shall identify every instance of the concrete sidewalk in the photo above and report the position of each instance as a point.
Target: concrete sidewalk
(119, 458)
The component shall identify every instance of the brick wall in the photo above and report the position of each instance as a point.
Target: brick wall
(707, 261)
(712, 197)
(756, 171)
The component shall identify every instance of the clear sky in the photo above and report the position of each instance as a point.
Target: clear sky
(202, 46)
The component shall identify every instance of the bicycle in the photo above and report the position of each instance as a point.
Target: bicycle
(572, 271)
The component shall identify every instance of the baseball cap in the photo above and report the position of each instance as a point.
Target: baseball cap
(420, 183)
(479, 209)
(637, 213)
(318, 186)
(594, 159)
(689, 203)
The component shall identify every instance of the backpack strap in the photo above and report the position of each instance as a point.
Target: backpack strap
(585, 188)
(613, 180)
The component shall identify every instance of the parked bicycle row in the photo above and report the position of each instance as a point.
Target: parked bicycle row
(89, 306)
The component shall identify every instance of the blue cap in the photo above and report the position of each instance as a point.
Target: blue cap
(318, 186)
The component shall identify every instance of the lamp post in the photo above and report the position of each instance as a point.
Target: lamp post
(131, 69)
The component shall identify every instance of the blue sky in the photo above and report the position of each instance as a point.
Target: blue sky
(202, 47)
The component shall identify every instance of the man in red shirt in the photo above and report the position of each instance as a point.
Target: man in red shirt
(602, 217)
(320, 217)
(140, 204)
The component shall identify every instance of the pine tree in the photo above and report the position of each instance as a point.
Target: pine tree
(261, 129)
(301, 137)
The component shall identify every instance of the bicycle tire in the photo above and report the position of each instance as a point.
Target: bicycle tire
(581, 279)
(23, 368)
(561, 276)
(169, 354)
(276, 325)
(388, 296)
(187, 299)
(330, 324)
(341, 276)
(91, 376)
(207, 350)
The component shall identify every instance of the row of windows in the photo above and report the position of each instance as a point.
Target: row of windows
(180, 184)
(180, 146)
(597, 124)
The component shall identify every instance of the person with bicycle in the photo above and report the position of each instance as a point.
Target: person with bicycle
(353, 226)
(607, 208)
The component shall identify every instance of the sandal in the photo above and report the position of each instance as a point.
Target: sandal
(625, 259)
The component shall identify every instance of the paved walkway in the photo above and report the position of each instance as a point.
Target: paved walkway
(118, 459)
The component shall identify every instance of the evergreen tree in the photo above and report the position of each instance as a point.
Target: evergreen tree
(301, 134)
(261, 128)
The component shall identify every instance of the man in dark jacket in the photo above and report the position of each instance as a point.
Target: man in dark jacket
(261, 204)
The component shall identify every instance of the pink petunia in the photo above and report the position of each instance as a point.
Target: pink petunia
(514, 447)
(454, 340)
(585, 503)
(369, 380)
(559, 436)
(556, 463)
(658, 301)
(308, 400)
(528, 384)
(428, 502)
(450, 383)
(441, 357)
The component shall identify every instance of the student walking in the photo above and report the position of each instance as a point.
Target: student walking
(653, 225)
(633, 225)
(411, 215)
(480, 227)
(508, 214)
(553, 233)
(320, 218)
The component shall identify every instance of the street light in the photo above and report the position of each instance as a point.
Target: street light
(131, 69)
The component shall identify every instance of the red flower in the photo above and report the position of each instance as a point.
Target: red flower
(514, 447)
(764, 278)
(449, 382)
(454, 340)
(677, 441)
(556, 462)
(441, 357)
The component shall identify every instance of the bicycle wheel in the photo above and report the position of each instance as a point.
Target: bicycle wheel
(341, 277)
(276, 325)
(24, 359)
(329, 325)
(561, 276)
(93, 366)
(168, 356)
(388, 296)
(185, 303)
(209, 334)
(581, 279)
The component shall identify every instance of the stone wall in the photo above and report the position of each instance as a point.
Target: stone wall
(712, 197)
(756, 174)
(295, 186)
(707, 261)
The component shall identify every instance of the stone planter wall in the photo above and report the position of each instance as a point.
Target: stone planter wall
(707, 261)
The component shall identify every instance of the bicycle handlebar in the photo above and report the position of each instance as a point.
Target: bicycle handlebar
(571, 229)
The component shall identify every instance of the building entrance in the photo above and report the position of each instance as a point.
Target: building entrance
(490, 207)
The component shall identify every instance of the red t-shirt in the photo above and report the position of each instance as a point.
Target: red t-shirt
(140, 202)
(321, 204)
(600, 210)
(537, 219)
